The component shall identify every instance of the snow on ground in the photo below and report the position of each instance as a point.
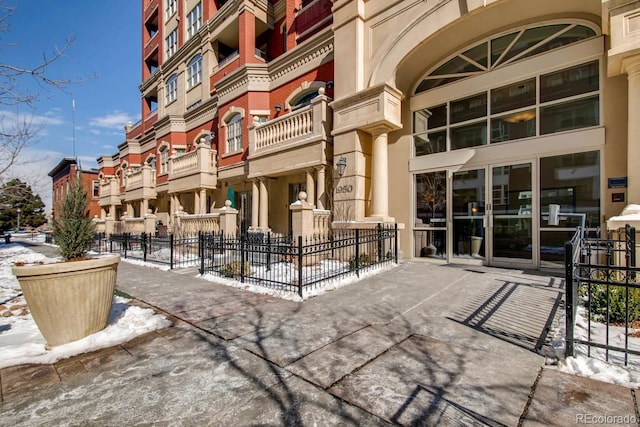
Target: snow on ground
(596, 366)
(20, 339)
(281, 272)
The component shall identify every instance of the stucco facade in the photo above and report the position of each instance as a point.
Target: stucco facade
(460, 120)
(384, 52)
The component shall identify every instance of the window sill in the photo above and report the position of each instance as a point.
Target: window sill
(231, 153)
(194, 86)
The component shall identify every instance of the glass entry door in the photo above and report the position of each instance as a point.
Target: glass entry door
(468, 201)
(512, 214)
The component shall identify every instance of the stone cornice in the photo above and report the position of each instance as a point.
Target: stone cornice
(248, 77)
(148, 142)
(203, 113)
(130, 146)
(168, 124)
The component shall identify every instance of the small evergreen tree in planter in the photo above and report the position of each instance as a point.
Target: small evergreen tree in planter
(70, 300)
(74, 230)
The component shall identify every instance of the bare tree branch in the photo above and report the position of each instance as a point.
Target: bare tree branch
(18, 131)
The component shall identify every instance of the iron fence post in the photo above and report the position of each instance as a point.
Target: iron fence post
(242, 255)
(171, 251)
(395, 242)
(379, 230)
(357, 260)
(569, 302)
(143, 243)
(300, 266)
(201, 250)
(126, 244)
(269, 251)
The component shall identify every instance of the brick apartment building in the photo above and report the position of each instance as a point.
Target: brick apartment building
(64, 174)
(459, 120)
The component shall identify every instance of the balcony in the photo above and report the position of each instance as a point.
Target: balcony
(193, 170)
(141, 184)
(302, 134)
(109, 192)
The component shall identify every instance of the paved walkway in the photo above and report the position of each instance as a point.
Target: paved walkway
(420, 344)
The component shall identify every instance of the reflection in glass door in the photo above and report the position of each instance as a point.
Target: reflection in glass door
(468, 213)
(512, 212)
(430, 228)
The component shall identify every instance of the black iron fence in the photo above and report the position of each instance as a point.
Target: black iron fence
(297, 265)
(602, 277)
(273, 261)
(169, 250)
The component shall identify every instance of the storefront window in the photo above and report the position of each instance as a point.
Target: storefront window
(469, 136)
(512, 97)
(570, 115)
(431, 198)
(570, 82)
(573, 182)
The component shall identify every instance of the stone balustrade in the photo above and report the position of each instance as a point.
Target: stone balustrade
(201, 160)
(141, 178)
(223, 219)
(304, 124)
(321, 223)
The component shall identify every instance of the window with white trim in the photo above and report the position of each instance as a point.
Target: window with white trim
(234, 133)
(164, 159)
(194, 20)
(171, 8)
(194, 71)
(171, 88)
(171, 44)
(558, 101)
(503, 50)
(540, 103)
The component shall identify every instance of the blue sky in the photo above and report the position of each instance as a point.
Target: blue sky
(106, 52)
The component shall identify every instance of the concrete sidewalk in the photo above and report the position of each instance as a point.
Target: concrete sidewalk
(420, 344)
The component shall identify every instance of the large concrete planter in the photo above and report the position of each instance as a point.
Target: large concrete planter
(69, 300)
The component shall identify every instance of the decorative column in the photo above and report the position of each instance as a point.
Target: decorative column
(264, 205)
(255, 204)
(380, 178)
(144, 207)
(196, 203)
(320, 182)
(203, 201)
(310, 186)
(632, 67)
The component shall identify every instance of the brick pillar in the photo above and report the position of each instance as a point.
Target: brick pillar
(247, 37)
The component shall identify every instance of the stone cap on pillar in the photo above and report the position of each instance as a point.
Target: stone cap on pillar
(630, 215)
(301, 203)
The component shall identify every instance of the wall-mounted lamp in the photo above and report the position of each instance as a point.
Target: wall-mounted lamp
(278, 108)
(341, 165)
(330, 84)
